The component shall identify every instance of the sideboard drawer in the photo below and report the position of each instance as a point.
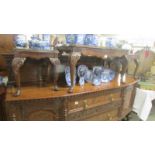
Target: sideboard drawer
(91, 102)
(107, 116)
(107, 111)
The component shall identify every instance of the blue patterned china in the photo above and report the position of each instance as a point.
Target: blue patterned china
(97, 71)
(67, 76)
(112, 75)
(89, 76)
(20, 41)
(70, 38)
(44, 45)
(91, 39)
(111, 42)
(39, 44)
(81, 71)
(81, 81)
(79, 39)
(107, 75)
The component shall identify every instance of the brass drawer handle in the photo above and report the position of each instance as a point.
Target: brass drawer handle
(85, 104)
(111, 98)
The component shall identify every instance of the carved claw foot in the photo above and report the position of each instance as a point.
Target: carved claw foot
(70, 90)
(56, 88)
(17, 93)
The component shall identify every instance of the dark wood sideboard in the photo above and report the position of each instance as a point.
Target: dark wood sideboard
(107, 102)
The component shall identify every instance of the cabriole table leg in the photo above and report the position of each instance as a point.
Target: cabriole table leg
(73, 59)
(56, 63)
(16, 65)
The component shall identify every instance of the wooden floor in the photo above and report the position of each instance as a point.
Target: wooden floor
(35, 92)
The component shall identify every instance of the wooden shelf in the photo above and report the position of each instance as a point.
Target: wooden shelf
(34, 92)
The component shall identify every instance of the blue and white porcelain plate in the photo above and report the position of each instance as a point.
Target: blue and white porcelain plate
(67, 76)
(89, 76)
(97, 71)
(107, 75)
(81, 72)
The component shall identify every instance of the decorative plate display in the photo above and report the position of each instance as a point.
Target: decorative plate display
(81, 71)
(97, 71)
(67, 76)
(91, 39)
(107, 75)
(20, 41)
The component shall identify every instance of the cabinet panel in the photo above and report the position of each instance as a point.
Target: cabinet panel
(33, 111)
(41, 115)
(108, 116)
(99, 112)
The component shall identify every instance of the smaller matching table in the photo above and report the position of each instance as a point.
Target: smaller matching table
(76, 51)
(20, 57)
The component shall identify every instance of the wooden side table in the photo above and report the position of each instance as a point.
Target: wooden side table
(76, 51)
(20, 57)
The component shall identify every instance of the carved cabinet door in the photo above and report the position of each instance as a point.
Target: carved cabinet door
(33, 111)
